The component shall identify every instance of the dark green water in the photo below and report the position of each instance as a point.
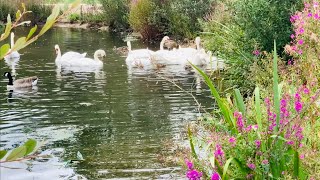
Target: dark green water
(117, 120)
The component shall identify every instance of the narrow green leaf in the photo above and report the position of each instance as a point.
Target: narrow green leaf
(194, 154)
(18, 14)
(17, 153)
(219, 169)
(212, 161)
(258, 107)
(225, 168)
(296, 162)
(4, 50)
(30, 146)
(239, 100)
(47, 26)
(2, 153)
(276, 87)
(7, 29)
(223, 105)
(31, 32)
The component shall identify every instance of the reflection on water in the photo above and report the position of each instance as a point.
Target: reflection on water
(115, 118)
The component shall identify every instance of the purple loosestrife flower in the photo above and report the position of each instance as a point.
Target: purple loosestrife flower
(240, 122)
(300, 41)
(265, 161)
(298, 103)
(194, 175)
(316, 16)
(292, 36)
(189, 164)
(310, 15)
(271, 115)
(256, 52)
(301, 30)
(232, 141)
(290, 142)
(215, 176)
(258, 143)
(251, 166)
(218, 152)
(284, 112)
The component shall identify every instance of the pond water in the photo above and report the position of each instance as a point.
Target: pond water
(117, 119)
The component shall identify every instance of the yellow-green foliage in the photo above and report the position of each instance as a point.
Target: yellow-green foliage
(140, 15)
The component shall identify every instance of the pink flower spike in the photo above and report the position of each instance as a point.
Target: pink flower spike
(215, 176)
(310, 15)
(300, 41)
(292, 36)
(316, 16)
(258, 143)
(251, 166)
(301, 30)
(232, 141)
(300, 51)
(301, 156)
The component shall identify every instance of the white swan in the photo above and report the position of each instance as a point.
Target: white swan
(67, 56)
(140, 58)
(14, 56)
(86, 62)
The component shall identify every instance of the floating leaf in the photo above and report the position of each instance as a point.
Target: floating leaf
(4, 50)
(3, 153)
(18, 14)
(79, 156)
(32, 30)
(30, 146)
(17, 153)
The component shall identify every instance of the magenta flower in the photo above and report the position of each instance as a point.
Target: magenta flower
(300, 41)
(189, 164)
(301, 30)
(292, 36)
(298, 103)
(306, 90)
(240, 122)
(258, 143)
(310, 15)
(251, 166)
(218, 152)
(215, 176)
(290, 142)
(300, 51)
(256, 52)
(265, 161)
(194, 175)
(232, 141)
(301, 156)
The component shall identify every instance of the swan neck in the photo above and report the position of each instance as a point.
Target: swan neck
(161, 44)
(12, 40)
(96, 57)
(129, 46)
(59, 53)
(10, 80)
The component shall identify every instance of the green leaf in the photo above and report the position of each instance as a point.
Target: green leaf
(8, 29)
(47, 26)
(19, 44)
(194, 154)
(17, 153)
(239, 100)
(31, 32)
(296, 164)
(276, 87)
(18, 14)
(3, 153)
(30, 146)
(225, 168)
(79, 156)
(223, 105)
(4, 50)
(258, 107)
(212, 161)
(23, 6)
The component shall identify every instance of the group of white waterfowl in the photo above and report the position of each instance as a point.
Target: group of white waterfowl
(143, 59)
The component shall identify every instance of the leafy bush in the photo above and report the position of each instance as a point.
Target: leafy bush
(74, 17)
(265, 20)
(5, 9)
(140, 18)
(183, 16)
(116, 13)
(39, 12)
